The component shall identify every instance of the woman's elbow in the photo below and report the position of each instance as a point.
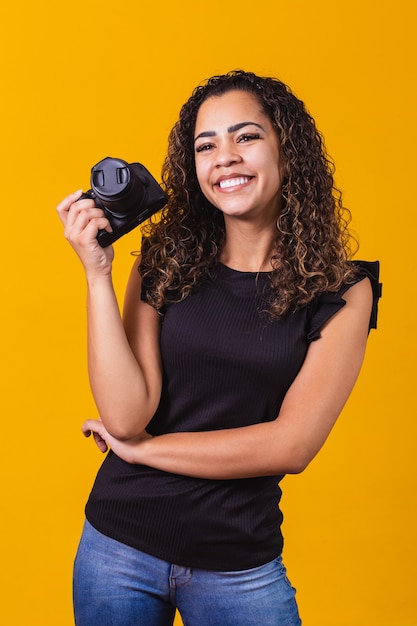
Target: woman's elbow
(123, 434)
(127, 420)
(297, 466)
(298, 460)
(124, 427)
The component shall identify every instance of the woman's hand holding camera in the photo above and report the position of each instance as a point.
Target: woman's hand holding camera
(82, 221)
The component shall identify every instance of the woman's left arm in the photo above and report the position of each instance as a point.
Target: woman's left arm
(287, 444)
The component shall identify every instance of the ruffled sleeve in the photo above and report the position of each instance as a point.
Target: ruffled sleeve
(327, 304)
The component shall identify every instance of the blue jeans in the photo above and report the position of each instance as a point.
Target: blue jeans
(115, 585)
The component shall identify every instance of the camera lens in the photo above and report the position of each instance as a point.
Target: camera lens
(116, 186)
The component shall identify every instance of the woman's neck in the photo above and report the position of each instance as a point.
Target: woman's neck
(248, 249)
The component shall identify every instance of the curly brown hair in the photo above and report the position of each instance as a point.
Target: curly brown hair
(312, 247)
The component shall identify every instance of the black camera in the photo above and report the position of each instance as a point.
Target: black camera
(127, 193)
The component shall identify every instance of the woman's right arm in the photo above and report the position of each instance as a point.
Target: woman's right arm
(124, 361)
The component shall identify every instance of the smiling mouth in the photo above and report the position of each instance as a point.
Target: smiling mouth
(234, 182)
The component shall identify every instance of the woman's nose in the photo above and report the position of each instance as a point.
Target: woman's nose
(227, 155)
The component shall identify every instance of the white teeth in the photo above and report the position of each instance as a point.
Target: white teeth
(233, 182)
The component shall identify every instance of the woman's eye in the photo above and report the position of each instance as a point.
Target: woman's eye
(204, 147)
(248, 137)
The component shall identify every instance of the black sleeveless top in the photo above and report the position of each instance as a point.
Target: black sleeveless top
(226, 365)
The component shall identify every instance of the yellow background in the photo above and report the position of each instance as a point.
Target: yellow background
(87, 79)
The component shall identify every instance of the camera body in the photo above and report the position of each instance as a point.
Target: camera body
(127, 193)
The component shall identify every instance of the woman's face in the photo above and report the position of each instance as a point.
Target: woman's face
(237, 157)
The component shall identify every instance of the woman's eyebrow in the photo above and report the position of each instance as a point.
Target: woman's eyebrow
(231, 129)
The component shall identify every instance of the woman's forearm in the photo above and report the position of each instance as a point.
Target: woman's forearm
(219, 455)
(250, 451)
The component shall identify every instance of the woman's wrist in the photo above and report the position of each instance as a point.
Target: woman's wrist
(98, 278)
(142, 450)
(136, 450)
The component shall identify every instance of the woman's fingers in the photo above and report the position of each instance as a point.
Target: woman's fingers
(77, 214)
(82, 221)
(65, 205)
(96, 428)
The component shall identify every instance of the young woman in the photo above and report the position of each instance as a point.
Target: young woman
(243, 332)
